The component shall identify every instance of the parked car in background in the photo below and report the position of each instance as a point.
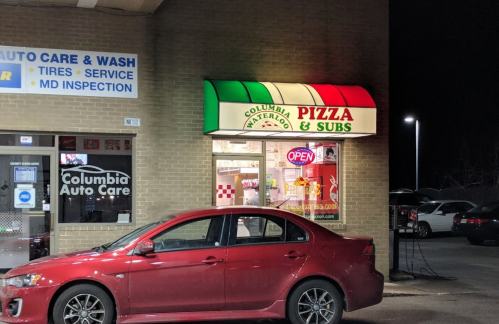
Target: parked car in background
(478, 224)
(437, 216)
(201, 265)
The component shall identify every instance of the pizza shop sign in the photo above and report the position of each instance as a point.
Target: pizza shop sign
(294, 118)
(88, 180)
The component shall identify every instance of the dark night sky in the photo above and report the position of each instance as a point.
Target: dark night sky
(444, 68)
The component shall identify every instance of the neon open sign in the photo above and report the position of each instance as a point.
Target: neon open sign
(301, 156)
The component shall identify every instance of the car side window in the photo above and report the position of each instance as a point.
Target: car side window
(199, 233)
(294, 233)
(463, 206)
(448, 208)
(257, 229)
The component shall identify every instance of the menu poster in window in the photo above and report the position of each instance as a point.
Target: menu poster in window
(112, 145)
(67, 143)
(91, 144)
(24, 174)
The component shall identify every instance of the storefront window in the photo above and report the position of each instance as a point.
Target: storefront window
(95, 179)
(303, 177)
(299, 176)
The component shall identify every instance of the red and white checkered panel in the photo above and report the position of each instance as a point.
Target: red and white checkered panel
(226, 190)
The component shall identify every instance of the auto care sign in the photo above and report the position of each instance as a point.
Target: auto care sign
(67, 72)
(88, 180)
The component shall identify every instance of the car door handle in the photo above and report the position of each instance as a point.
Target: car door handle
(294, 255)
(212, 260)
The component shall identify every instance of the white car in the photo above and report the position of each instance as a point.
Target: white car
(437, 215)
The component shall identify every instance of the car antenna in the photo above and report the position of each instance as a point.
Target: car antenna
(283, 203)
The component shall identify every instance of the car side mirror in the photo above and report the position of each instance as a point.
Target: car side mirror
(144, 247)
(439, 212)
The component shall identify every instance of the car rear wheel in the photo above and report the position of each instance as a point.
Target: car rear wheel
(475, 240)
(424, 230)
(315, 302)
(83, 304)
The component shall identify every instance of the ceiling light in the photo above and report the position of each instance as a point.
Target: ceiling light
(86, 3)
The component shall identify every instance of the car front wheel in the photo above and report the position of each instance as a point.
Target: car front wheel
(423, 231)
(83, 304)
(315, 302)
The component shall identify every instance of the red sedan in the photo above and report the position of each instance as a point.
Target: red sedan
(209, 264)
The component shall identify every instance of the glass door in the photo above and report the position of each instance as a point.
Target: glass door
(26, 206)
(238, 181)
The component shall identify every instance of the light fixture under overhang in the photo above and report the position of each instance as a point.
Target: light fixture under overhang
(259, 133)
(227, 132)
(287, 134)
(86, 3)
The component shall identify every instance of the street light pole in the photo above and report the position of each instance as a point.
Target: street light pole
(417, 154)
(410, 120)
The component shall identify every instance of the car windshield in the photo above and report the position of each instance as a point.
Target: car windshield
(484, 208)
(133, 235)
(428, 208)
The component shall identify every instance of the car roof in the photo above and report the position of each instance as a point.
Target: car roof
(213, 210)
(450, 200)
(233, 208)
(242, 209)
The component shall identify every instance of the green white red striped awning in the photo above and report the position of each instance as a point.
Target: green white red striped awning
(249, 108)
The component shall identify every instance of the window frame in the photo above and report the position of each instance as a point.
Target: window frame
(232, 241)
(222, 241)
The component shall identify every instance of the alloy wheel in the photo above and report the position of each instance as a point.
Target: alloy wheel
(84, 309)
(316, 306)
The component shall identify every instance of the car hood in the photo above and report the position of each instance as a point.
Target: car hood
(54, 261)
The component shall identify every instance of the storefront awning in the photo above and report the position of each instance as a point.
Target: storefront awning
(248, 108)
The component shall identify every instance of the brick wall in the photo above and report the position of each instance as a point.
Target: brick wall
(79, 29)
(337, 42)
(185, 42)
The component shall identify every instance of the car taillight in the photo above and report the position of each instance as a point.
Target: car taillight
(477, 221)
(369, 249)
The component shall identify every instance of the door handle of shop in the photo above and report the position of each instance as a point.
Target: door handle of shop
(211, 260)
(52, 220)
(294, 255)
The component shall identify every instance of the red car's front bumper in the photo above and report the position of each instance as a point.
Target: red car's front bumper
(32, 304)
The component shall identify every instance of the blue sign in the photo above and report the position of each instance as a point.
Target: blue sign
(68, 72)
(24, 196)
